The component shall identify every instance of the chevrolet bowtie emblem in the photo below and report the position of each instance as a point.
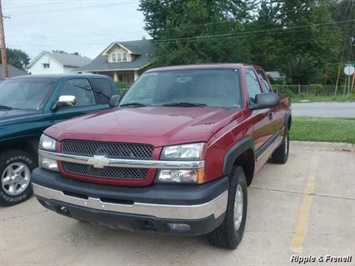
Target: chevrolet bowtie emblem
(99, 161)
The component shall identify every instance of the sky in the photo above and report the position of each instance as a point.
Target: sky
(84, 26)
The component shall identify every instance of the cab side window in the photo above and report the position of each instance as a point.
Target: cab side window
(264, 81)
(253, 86)
(103, 89)
(81, 89)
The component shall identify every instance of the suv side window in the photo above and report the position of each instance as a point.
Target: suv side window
(253, 86)
(81, 89)
(103, 89)
(264, 81)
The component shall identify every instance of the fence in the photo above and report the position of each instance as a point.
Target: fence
(312, 90)
(294, 90)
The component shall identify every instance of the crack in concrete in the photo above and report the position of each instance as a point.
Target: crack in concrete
(20, 216)
(302, 193)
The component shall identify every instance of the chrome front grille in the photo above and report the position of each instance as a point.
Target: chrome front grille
(109, 149)
(107, 172)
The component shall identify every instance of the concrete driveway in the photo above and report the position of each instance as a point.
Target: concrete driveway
(303, 208)
(332, 109)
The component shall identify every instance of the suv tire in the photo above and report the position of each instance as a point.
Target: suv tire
(15, 169)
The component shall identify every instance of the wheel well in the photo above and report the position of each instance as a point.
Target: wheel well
(30, 146)
(247, 161)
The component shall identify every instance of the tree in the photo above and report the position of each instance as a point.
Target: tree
(197, 31)
(311, 40)
(17, 58)
(266, 40)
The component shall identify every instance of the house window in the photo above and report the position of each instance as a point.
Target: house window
(45, 65)
(124, 57)
(119, 57)
(114, 58)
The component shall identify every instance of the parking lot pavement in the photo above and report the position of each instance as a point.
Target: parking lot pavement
(324, 109)
(303, 208)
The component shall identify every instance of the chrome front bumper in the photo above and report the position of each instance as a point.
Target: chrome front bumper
(215, 207)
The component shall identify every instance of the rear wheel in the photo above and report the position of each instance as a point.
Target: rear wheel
(15, 172)
(230, 233)
(280, 155)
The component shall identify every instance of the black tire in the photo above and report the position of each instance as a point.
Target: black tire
(280, 155)
(15, 158)
(226, 236)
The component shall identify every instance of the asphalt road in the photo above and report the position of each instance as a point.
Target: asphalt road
(303, 208)
(332, 109)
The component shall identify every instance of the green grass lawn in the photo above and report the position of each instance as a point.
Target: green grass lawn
(323, 129)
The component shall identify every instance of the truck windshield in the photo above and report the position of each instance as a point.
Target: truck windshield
(24, 93)
(186, 88)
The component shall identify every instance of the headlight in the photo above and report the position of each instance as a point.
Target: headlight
(185, 151)
(47, 143)
(196, 176)
(47, 163)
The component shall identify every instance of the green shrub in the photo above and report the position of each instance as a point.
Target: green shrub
(284, 90)
(316, 89)
(123, 87)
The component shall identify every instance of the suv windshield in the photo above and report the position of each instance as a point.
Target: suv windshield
(186, 88)
(24, 93)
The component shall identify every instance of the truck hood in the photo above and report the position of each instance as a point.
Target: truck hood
(8, 117)
(158, 126)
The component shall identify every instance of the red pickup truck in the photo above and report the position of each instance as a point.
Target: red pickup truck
(174, 156)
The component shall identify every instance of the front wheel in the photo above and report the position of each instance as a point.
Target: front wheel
(230, 233)
(15, 172)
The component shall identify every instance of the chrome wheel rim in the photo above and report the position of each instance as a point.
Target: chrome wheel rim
(15, 178)
(238, 207)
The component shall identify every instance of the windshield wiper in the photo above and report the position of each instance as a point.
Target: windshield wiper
(134, 104)
(82, 87)
(103, 94)
(96, 91)
(185, 104)
(5, 107)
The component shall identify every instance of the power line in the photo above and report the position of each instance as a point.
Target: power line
(258, 31)
(227, 35)
(71, 9)
(240, 33)
(34, 5)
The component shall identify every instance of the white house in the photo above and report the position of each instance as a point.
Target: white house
(56, 63)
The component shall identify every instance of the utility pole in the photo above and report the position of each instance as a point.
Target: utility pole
(5, 72)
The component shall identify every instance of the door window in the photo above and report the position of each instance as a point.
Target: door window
(103, 89)
(81, 89)
(253, 86)
(264, 81)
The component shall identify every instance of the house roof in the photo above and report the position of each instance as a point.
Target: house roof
(143, 48)
(69, 60)
(13, 72)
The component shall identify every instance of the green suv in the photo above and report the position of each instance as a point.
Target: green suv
(30, 104)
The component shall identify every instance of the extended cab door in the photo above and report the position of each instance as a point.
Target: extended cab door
(277, 121)
(85, 101)
(262, 120)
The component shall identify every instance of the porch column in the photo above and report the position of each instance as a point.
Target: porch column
(136, 76)
(115, 76)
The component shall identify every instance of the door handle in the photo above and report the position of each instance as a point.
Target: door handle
(270, 116)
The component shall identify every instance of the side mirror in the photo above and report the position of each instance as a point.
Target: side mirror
(266, 100)
(115, 101)
(64, 101)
